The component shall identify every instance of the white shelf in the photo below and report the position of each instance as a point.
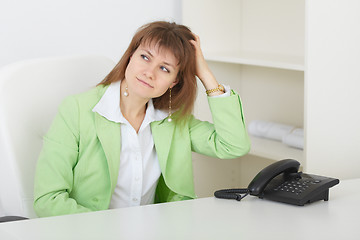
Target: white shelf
(274, 150)
(295, 63)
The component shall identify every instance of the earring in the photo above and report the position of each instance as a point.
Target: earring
(170, 114)
(126, 92)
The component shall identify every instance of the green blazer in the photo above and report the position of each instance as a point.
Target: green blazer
(78, 166)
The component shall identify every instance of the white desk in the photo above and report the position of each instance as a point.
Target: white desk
(207, 218)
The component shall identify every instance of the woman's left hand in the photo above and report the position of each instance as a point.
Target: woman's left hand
(203, 71)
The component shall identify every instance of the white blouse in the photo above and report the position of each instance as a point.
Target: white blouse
(139, 170)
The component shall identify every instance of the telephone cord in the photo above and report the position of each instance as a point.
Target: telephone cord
(234, 193)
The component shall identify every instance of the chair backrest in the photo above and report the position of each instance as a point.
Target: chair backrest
(30, 92)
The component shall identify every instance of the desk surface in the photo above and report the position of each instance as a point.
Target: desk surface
(206, 218)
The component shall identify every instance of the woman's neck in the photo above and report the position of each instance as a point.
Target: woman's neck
(132, 108)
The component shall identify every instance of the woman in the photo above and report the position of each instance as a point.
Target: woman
(128, 142)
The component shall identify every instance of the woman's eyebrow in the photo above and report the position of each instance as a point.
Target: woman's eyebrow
(169, 64)
(148, 52)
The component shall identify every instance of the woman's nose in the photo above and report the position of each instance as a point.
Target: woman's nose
(149, 71)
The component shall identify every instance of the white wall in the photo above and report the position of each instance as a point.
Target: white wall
(43, 28)
(46, 28)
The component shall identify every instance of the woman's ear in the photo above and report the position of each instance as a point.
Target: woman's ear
(174, 83)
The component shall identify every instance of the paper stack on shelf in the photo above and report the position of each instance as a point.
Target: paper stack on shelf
(295, 138)
(287, 134)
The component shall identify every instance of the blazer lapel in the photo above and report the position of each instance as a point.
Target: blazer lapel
(109, 135)
(162, 132)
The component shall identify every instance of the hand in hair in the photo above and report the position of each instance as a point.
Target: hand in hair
(203, 71)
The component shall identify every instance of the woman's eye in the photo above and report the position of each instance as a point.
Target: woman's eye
(144, 57)
(164, 69)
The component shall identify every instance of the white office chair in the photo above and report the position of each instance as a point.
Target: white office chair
(30, 92)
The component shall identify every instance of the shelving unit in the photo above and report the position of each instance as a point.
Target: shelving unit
(262, 60)
(292, 62)
(274, 150)
(236, 60)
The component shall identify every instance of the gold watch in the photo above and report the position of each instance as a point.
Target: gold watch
(220, 88)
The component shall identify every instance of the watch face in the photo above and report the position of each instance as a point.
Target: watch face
(221, 87)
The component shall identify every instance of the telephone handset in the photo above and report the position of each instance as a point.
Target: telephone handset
(282, 182)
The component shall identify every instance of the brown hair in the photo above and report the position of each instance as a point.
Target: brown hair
(175, 38)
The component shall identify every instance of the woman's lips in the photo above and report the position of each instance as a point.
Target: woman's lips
(144, 83)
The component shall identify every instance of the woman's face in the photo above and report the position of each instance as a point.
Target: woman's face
(151, 71)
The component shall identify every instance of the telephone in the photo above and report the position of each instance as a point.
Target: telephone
(282, 182)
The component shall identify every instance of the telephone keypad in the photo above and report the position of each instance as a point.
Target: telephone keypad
(296, 186)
